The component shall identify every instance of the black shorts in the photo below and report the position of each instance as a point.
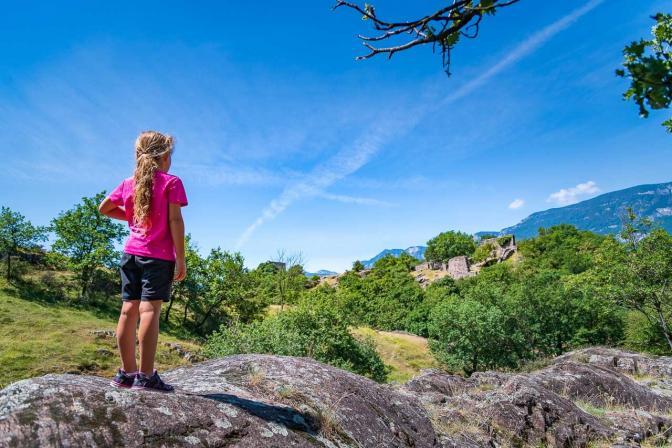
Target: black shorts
(144, 278)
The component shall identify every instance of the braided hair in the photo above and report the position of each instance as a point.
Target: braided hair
(150, 146)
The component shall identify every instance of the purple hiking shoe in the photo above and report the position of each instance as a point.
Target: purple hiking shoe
(153, 383)
(123, 379)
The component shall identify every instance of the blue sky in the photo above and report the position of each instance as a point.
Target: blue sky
(285, 142)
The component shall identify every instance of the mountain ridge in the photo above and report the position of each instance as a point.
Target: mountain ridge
(414, 251)
(602, 214)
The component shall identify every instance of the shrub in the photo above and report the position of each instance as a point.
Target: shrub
(643, 335)
(504, 240)
(483, 252)
(314, 330)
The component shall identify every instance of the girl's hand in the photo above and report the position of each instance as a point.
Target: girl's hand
(180, 270)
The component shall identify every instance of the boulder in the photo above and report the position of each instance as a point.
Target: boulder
(591, 397)
(600, 386)
(243, 401)
(622, 360)
(493, 411)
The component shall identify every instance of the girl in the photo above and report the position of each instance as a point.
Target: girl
(150, 202)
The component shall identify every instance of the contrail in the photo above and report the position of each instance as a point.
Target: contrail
(358, 154)
(344, 163)
(355, 200)
(523, 49)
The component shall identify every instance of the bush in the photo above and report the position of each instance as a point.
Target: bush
(314, 330)
(643, 335)
(504, 240)
(483, 252)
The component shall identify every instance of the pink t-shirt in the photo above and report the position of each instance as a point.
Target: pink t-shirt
(156, 240)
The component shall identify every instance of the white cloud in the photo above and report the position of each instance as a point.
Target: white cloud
(354, 156)
(516, 204)
(568, 196)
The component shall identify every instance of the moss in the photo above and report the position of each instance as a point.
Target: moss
(27, 417)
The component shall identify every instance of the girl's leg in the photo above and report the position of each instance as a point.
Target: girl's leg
(128, 320)
(150, 312)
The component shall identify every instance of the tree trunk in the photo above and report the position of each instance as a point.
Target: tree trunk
(170, 305)
(664, 327)
(207, 314)
(86, 275)
(184, 315)
(9, 266)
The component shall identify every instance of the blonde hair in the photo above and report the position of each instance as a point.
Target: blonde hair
(150, 146)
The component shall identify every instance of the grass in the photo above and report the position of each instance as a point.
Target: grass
(405, 354)
(37, 338)
(589, 408)
(430, 274)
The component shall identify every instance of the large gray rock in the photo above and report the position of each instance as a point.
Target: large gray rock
(244, 401)
(592, 397)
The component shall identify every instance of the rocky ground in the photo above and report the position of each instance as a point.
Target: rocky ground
(595, 397)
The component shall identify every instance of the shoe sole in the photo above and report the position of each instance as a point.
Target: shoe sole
(151, 389)
(119, 386)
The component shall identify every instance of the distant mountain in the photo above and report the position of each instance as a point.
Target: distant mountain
(480, 235)
(321, 273)
(414, 251)
(602, 214)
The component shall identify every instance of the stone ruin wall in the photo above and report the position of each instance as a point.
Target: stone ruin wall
(460, 267)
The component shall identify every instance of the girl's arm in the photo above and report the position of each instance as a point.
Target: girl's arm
(177, 232)
(108, 208)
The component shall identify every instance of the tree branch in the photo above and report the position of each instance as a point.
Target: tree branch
(442, 28)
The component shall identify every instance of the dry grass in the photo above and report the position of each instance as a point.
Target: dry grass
(255, 376)
(431, 275)
(406, 354)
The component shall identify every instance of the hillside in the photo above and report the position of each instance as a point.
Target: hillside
(320, 273)
(37, 338)
(406, 354)
(602, 213)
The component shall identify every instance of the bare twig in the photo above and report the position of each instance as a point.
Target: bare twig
(442, 28)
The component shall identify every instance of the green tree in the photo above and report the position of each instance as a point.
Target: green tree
(17, 233)
(358, 266)
(417, 319)
(638, 276)
(282, 280)
(449, 244)
(648, 66)
(470, 336)
(505, 316)
(192, 287)
(228, 293)
(384, 297)
(562, 247)
(87, 238)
